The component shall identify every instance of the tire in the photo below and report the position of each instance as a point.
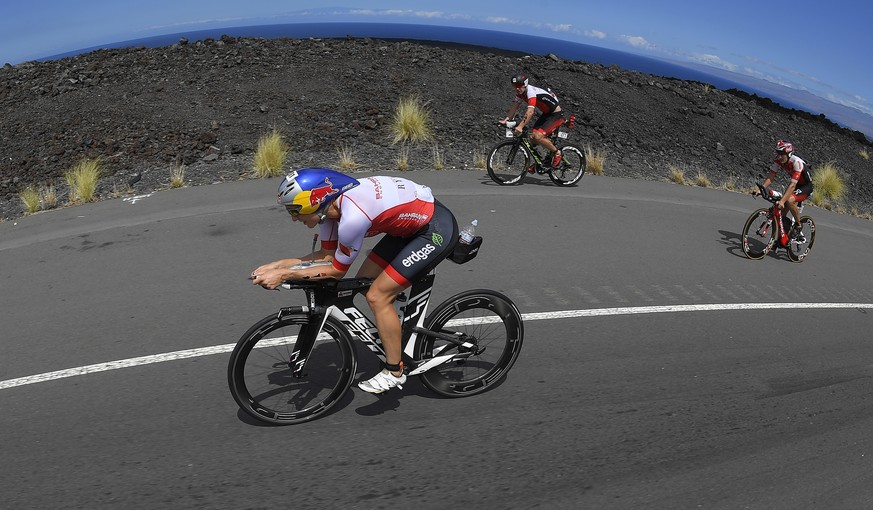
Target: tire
(508, 163)
(572, 167)
(488, 319)
(260, 376)
(759, 234)
(799, 247)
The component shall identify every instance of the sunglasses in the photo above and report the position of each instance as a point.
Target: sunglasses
(518, 85)
(293, 209)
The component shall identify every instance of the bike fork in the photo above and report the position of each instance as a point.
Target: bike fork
(306, 340)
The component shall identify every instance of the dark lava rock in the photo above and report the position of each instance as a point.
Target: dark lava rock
(205, 104)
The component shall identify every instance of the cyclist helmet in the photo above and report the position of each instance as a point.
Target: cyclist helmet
(519, 79)
(311, 190)
(784, 147)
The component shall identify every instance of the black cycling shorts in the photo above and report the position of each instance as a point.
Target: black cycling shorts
(548, 122)
(801, 193)
(405, 258)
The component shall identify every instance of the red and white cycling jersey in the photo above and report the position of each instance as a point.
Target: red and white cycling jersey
(379, 205)
(542, 99)
(796, 168)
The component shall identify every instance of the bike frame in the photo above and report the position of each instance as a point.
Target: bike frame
(524, 139)
(337, 301)
(777, 215)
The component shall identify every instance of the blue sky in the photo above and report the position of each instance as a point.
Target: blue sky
(821, 47)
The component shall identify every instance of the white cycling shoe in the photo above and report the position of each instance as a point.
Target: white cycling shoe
(382, 382)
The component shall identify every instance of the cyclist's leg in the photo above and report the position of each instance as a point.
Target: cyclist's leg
(399, 262)
(543, 127)
(801, 193)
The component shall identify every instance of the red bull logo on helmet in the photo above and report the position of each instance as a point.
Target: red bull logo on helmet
(320, 194)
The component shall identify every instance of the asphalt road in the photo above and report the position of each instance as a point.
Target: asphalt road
(633, 397)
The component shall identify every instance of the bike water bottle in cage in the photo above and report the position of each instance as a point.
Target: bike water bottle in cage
(469, 232)
(468, 244)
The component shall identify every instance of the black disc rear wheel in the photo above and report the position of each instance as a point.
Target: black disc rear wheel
(491, 329)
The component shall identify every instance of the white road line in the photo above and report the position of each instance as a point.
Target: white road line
(566, 314)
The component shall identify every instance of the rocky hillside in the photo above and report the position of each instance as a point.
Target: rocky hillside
(205, 104)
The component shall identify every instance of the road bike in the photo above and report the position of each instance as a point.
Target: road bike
(768, 229)
(295, 365)
(511, 160)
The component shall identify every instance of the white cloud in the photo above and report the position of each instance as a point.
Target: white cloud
(430, 14)
(500, 20)
(636, 41)
(714, 61)
(597, 34)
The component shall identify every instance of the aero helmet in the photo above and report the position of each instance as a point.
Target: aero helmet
(519, 79)
(784, 147)
(311, 190)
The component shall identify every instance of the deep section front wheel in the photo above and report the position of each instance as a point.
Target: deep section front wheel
(571, 168)
(261, 370)
(799, 245)
(759, 234)
(508, 163)
(490, 330)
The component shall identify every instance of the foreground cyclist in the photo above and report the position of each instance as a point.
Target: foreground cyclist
(551, 116)
(419, 233)
(800, 187)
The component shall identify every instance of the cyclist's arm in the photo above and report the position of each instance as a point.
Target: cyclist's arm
(528, 114)
(769, 180)
(511, 113)
(788, 192)
(273, 274)
(315, 272)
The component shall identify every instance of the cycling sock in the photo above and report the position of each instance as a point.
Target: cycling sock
(394, 368)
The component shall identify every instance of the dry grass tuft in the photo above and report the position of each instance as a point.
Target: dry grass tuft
(702, 180)
(828, 183)
(595, 160)
(82, 180)
(177, 176)
(864, 154)
(270, 155)
(49, 197)
(402, 160)
(677, 175)
(479, 158)
(30, 199)
(439, 161)
(346, 158)
(411, 121)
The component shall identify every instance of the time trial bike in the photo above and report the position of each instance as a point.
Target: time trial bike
(297, 364)
(768, 229)
(511, 160)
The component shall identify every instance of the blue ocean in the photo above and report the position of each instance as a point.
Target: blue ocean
(456, 35)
